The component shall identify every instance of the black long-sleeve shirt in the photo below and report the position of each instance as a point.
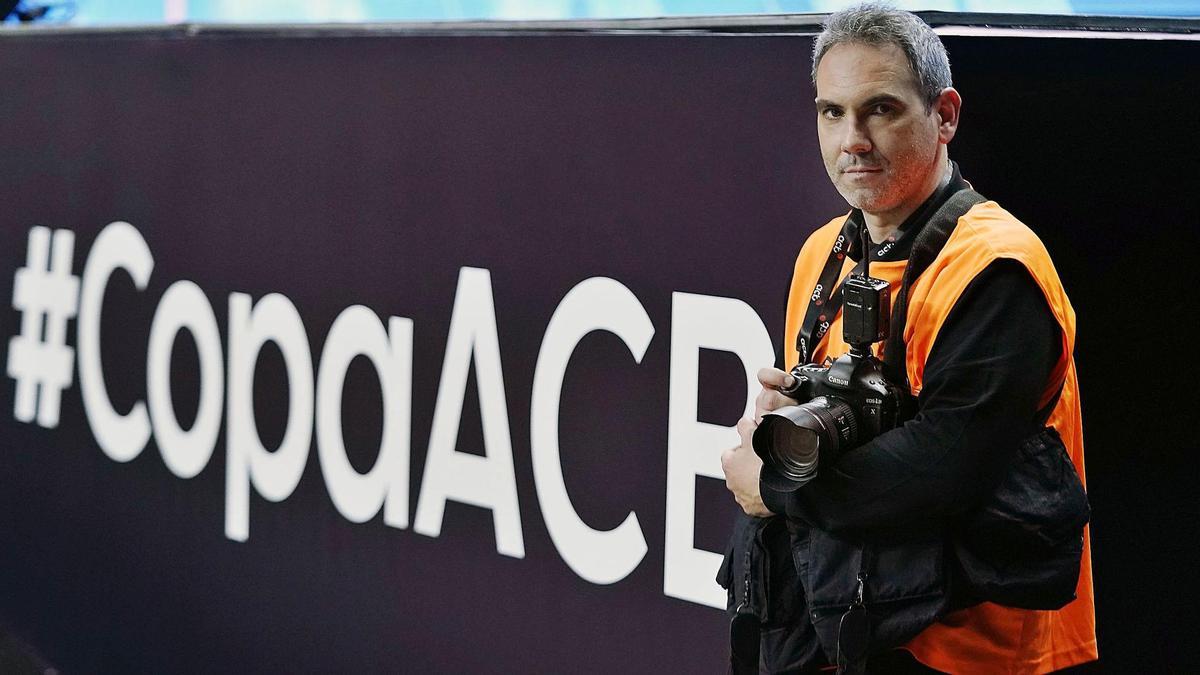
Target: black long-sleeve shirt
(982, 382)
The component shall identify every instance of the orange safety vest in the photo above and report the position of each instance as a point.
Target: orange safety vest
(986, 638)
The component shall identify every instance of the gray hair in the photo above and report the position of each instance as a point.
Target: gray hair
(878, 25)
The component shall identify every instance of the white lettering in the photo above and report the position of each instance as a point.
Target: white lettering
(694, 447)
(599, 303)
(274, 474)
(358, 497)
(488, 481)
(118, 246)
(184, 306)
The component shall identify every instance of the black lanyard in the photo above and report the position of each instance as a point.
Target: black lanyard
(826, 298)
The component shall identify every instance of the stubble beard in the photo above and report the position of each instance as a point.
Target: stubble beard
(890, 192)
(873, 199)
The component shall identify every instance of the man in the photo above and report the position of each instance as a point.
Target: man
(989, 340)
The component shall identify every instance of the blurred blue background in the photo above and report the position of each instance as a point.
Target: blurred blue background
(106, 12)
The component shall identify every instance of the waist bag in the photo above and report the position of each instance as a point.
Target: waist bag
(1023, 546)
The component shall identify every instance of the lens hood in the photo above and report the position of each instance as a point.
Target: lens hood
(790, 440)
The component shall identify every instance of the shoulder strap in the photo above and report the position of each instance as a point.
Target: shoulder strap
(826, 297)
(929, 243)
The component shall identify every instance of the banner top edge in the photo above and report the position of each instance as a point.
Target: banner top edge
(946, 23)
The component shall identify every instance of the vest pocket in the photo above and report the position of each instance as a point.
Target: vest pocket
(904, 588)
(1023, 546)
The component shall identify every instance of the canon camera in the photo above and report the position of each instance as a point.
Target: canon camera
(844, 403)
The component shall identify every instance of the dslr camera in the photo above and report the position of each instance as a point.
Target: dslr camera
(844, 403)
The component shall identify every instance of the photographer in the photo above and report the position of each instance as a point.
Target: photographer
(878, 562)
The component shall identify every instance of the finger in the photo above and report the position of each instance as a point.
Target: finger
(762, 404)
(774, 378)
(746, 427)
(769, 400)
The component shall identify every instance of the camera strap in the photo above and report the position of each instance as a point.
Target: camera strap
(929, 243)
(826, 298)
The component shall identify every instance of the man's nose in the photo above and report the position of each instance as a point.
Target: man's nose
(857, 140)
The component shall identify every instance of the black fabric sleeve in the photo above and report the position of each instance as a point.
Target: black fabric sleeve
(988, 367)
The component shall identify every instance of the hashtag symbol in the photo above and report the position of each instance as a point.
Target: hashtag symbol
(47, 296)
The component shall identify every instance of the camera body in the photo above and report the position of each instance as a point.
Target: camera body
(857, 383)
(842, 404)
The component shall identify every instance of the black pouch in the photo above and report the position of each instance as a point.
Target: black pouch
(1023, 546)
(769, 627)
(905, 590)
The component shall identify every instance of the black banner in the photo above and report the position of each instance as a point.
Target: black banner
(415, 353)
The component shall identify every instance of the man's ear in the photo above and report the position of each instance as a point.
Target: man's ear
(947, 106)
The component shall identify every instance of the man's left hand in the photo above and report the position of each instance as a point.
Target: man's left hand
(741, 467)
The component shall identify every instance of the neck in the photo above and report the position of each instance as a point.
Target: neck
(884, 224)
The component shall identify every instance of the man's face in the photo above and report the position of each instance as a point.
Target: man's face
(879, 144)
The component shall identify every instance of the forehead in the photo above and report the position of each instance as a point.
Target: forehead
(853, 71)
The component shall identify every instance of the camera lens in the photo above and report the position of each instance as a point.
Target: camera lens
(794, 451)
(791, 440)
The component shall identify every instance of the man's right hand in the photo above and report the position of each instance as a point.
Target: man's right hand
(769, 399)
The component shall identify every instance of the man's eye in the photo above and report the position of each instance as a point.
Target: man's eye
(831, 113)
(882, 109)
